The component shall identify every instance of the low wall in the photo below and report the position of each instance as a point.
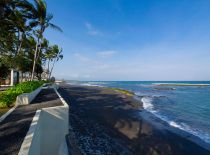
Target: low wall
(22, 99)
(48, 130)
(26, 98)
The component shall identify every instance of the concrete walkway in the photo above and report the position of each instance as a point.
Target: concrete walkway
(15, 127)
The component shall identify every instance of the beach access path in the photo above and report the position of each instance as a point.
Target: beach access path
(14, 127)
(103, 121)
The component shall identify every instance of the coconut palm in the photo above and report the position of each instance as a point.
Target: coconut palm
(20, 21)
(14, 18)
(43, 22)
(56, 55)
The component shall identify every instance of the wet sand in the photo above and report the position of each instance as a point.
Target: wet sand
(103, 121)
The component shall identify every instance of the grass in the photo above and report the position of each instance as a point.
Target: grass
(8, 97)
(123, 91)
(3, 110)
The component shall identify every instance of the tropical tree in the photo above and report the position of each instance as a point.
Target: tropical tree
(43, 22)
(53, 55)
(22, 25)
(15, 18)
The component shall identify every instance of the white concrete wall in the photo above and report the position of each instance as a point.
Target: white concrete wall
(26, 98)
(47, 133)
(24, 150)
(51, 130)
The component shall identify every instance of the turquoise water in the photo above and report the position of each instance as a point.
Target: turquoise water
(183, 107)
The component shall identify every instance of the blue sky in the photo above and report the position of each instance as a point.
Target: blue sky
(132, 39)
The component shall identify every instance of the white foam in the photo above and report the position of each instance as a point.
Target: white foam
(147, 104)
(174, 124)
(90, 85)
(85, 84)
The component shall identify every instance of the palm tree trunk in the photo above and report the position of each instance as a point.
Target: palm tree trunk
(20, 46)
(40, 46)
(52, 68)
(48, 68)
(35, 57)
(21, 42)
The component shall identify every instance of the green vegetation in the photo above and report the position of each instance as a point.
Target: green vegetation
(23, 45)
(8, 97)
(123, 91)
(4, 72)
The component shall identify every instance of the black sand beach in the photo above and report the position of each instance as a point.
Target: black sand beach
(103, 121)
(15, 126)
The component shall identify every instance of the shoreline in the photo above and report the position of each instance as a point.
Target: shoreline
(176, 130)
(185, 134)
(181, 84)
(156, 122)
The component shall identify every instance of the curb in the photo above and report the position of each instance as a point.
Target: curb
(29, 136)
(7, 113)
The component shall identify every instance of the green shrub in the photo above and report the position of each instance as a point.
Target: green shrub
(8, 97)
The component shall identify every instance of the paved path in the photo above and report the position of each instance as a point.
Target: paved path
(15, 127)
(104, 122)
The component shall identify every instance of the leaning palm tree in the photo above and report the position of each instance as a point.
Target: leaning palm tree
(43, 22)
(15, 18)
(56, 55)
(21, 27)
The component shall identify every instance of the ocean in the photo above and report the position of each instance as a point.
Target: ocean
(181, 106)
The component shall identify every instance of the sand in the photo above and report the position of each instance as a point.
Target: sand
(103, 121)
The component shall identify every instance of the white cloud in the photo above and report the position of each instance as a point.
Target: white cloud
(81, 57)
(92, 30)
(106, 54)
(93, 63)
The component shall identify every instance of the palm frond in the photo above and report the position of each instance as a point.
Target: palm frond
(55, 27)
(49, 16)
(41, 8)
(33, 23)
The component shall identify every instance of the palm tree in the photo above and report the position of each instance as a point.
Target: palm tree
(14, 18)
(20, 21)
(54, 57)
(43, 22)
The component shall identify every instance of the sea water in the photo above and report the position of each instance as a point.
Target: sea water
(183, 107)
